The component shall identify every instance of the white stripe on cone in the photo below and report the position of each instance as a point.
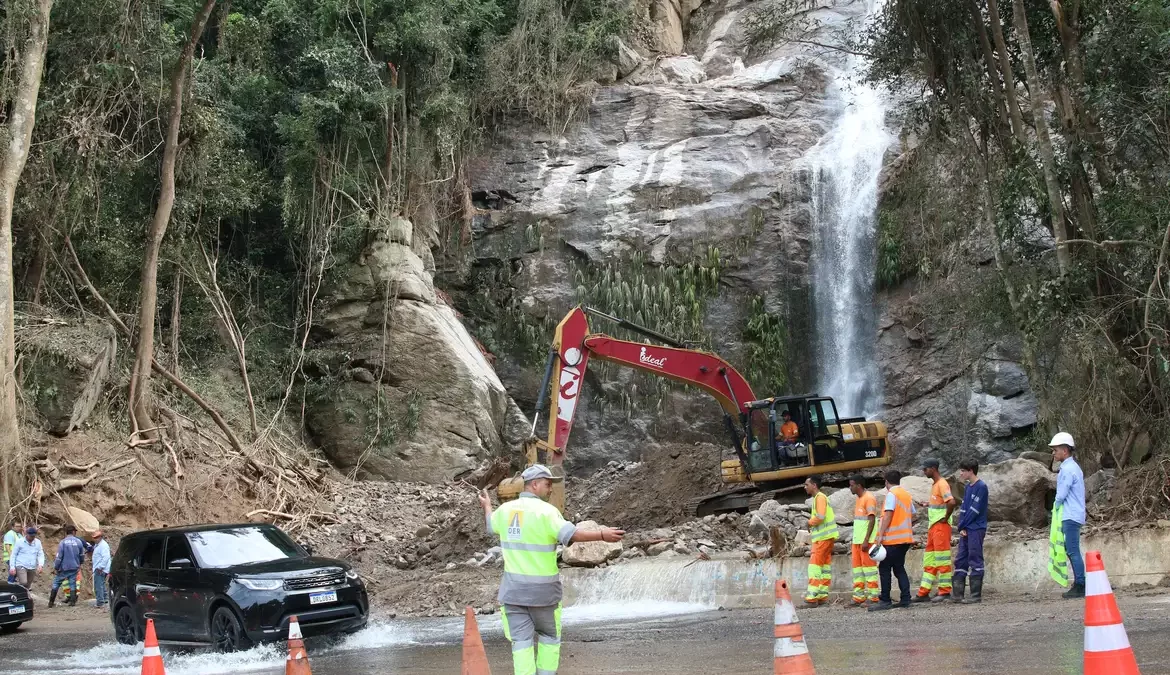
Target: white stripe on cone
(786, 647)
(151, 651)
(1097, 583)
(785, 613)
(1105, 638)
(294, 630)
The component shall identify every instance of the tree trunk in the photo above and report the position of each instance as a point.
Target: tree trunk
(21, 119)
(1069, 29)
(140, 405)
(1009, 79)
(997, 95)
(1043, 138)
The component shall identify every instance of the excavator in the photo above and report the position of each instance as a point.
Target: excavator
(764, 465)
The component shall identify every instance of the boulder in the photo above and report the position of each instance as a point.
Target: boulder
(402, 392)
(659, 548)
(843, 503)
(66, 366)
(770, 514)
(85, 522)
(590, 553)
(1018, 491)
(626, 59)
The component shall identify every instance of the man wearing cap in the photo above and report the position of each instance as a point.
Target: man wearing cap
(101, 568)
(28, 559)
(11, 537)
(936, 560)
(1069, 512)
(530, 594)
(70, 555)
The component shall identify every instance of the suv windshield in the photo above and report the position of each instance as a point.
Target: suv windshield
(241, 546)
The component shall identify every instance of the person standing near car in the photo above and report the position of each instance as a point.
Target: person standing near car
(70, 556)
(28, 559)
(530, 594)
(11, 537)
(101, 568)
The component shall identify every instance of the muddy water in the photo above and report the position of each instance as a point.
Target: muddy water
(1005, 638)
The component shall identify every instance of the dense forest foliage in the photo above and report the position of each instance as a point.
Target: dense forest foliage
(1044, 129)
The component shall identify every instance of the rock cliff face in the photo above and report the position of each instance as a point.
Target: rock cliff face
(691, 155)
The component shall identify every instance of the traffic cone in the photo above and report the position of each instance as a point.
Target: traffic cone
(151, 656)
(474, 657)
(1107, 650)
(791, 651)
(298, 658)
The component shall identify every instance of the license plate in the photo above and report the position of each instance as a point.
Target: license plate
(16, 609)
(322, 598)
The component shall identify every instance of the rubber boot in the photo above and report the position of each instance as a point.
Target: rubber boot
(921, 598)
(1077, 591)
(73, 594)
(976, 592)
(52, 598)
(960, 588)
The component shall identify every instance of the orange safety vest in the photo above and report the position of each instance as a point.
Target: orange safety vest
(901, 528)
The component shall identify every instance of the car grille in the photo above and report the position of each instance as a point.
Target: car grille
(318, 580)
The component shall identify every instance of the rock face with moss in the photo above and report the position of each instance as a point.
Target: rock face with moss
(399, 390)
(66, 366)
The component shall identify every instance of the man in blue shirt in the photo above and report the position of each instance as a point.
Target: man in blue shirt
(972, 529)
(1070, 499)
(70, 556)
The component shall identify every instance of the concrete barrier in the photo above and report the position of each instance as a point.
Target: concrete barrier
(1133, 557)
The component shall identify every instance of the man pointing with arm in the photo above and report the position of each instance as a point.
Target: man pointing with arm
(530, 594)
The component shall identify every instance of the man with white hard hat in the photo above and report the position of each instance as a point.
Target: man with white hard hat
(530, 594)
(1068, 516)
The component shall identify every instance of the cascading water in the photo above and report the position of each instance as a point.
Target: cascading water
(846, 165)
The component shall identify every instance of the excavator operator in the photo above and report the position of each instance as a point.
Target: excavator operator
(789, 431)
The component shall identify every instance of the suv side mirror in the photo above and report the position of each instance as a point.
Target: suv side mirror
(308, 548)
(181, 564)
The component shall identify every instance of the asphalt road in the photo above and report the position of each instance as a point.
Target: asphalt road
(1002, 636)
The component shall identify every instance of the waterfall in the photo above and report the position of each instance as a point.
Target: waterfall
(845, 167)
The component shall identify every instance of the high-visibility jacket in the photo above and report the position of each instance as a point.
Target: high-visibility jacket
(1057, 556)
(940, 493)
(901, 529)
(866, 507)
(789, 431)
(10, 539)
(529, 530)
(822, 530)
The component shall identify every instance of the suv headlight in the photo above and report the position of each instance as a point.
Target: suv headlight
(261, 584)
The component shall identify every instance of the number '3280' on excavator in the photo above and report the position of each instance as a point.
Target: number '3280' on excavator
(777, 441)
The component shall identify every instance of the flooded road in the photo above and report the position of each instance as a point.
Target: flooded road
(1040, 636)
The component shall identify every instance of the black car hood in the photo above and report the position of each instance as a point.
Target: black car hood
(287, 567)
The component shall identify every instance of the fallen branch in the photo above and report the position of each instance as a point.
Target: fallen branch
(71, 483)
(77, 467)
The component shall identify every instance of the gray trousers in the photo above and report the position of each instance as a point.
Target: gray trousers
(535, 633)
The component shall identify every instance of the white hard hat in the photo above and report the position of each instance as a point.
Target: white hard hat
(1063, 438)
(877, 552)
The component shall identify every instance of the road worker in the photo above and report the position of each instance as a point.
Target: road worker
(936, 561)
(1068, 517)
(530, 594)
(895, 538)
(972, 530)
(822, 530)
(865, 571)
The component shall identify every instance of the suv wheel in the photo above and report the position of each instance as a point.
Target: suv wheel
(10, 627)
(227, 635)
(126, 626)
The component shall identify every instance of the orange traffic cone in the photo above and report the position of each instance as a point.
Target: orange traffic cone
(298, 658)
(151, 656)
(474, 657)
(791, 651)
(1107, 650)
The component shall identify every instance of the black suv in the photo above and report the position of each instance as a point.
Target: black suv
(16, 606)
(230, 585)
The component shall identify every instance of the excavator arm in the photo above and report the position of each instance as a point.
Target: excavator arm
(573, 346)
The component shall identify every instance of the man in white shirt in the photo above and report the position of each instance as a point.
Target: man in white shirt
(101, 568)
(28, 559)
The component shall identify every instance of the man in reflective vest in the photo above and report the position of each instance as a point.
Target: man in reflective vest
(530, 594)
(1069, 511)
(936, 561)
(865, 571)
(822, 531)
(895, 536)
